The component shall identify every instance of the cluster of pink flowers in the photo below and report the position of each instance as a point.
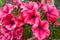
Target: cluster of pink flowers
(12, 27)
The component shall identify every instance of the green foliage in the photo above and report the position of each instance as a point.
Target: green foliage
(43, 17)
(54, 33)
(16, 11)
(27, 31)
(58, 19)
(24, 0)
(1, 3)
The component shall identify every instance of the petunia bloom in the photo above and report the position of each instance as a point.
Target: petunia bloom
(41, 29)
(7, 8)
(32, 16)
(15, 34)
(51, 12)
(9, 21)
(29, 6)
(19, 32)
(21, 19)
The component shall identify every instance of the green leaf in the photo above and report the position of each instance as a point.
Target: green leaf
(55, 33)
(43, 17)
(16, 11)
(58, 19)
(24, 0)
(27, 31)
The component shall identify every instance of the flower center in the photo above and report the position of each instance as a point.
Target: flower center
(33, 16)
(39, 27)
(12, 22)
(48, 12)
(14, 38)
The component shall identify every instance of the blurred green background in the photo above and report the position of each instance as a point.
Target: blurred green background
(1, 3)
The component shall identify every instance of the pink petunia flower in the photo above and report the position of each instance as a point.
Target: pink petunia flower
(17, 2)
(19, 32)
(40, 5)
(29, 6)
(4, 34)
(32, 16)
(51, 12)
(5, 37)
(9, 21)
(7, 8)
(2, 14)
(15, 34)
(41, 29)
(21, 19)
